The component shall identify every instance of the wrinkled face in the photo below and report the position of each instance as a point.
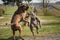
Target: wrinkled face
(23, 6)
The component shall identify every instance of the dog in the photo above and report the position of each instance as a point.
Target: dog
(17, 17)
(34, 22)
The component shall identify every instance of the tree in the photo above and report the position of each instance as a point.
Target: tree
(6, 2)
(43, 3)
(45, 6)
(28, 0)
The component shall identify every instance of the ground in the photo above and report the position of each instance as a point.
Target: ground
(47, 32)
(49, 37)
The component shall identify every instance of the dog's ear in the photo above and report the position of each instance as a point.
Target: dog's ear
(18, 3)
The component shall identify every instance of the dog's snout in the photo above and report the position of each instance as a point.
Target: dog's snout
(27, 6)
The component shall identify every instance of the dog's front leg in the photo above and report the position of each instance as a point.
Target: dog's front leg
(38, 21)
(27, 23)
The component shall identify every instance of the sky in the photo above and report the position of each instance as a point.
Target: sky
(1, 2)
(35, 1)
(51, 1)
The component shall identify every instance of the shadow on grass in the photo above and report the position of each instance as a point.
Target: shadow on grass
(10, 38)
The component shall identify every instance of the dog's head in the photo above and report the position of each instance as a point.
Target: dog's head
(23, 6)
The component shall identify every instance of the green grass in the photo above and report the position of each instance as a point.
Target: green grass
(49, 17)
(6, 33)
(9, 9)
(46, 28)
(6, 18)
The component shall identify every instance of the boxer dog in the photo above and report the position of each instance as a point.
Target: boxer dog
(17, 17)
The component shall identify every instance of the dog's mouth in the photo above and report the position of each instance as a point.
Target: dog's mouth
(27, 6)
(24, 7)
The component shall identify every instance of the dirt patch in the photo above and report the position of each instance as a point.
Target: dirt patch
(49, 37)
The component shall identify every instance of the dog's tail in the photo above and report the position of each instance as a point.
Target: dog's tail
(9, 23)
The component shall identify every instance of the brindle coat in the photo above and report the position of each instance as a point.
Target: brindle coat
(34, 21)
(18, 16)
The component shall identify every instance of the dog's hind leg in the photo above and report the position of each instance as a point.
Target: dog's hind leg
(14, 35)
(37, 29)
(36, 26)
(31, 28)
(20, 35)
(20, 30)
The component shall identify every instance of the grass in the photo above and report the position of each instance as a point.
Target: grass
(6, 19)
(52, 28)
(9, 9)
(49, 17)
(5, 33)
